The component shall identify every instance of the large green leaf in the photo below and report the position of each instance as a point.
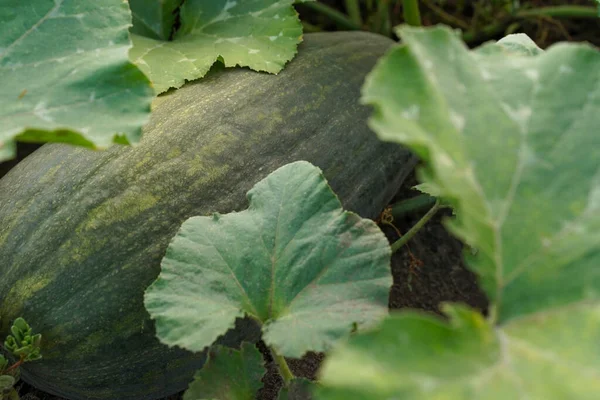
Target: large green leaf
(294, 261)
(298, 389)
(154, 18)
(229, 374)
(511, 140)
(415, 357)
(260, 34)
(65, 74)
(508, 135)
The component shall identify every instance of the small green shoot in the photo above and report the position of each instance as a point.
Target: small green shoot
(23, 345)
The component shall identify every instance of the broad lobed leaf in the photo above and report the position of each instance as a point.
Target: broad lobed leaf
(65, 74)
(415, 356)
(508, 134)
(155, 18)
(294, 261)
(260, 34)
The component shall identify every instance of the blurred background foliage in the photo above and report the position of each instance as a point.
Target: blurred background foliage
(545, 21)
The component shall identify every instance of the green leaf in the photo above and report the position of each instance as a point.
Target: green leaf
(65, 74)
(507, 135)
(518, 43)
(260, 34)
(510, 140)
(6, 384)
(294, 261)
(22, 343)
(229, 374)
(154, 18)
(298, 389)
(417, 356)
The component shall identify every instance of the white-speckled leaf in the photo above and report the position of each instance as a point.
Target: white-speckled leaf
(260, 34)
(294, 261)
(512, 140)
(65, 74)
(553, 355)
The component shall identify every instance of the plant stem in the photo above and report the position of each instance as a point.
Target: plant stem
(353, 10)
(412, 231)
(551, 12)
(446, 17)
(406, 206)
(339, 18)
(559, 12)
(487, 32)
(284, 369)
(308, 27)
(14, 366)
(410, 9)
(381, 20)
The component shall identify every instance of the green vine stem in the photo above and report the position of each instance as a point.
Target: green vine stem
(353, 9)
(416, 203)
(446, 17)
(339, 18)
(308, 27)
(412, 16)
(559, 12)
(551, 12)
(412, 231)
(381, 22)
(284, 369)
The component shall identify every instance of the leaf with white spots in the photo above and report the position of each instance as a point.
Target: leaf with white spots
(413, 356)
(294, 261)
(260, 34)
(65, 74)
(517, 156)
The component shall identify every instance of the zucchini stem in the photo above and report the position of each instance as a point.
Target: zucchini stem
(353, 10)
(412, 231)
(407, 206)
(284, 369)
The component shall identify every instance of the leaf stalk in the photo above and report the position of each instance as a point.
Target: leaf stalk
(284, 369)
(353, 10)
(412, 204)
(413, 231)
